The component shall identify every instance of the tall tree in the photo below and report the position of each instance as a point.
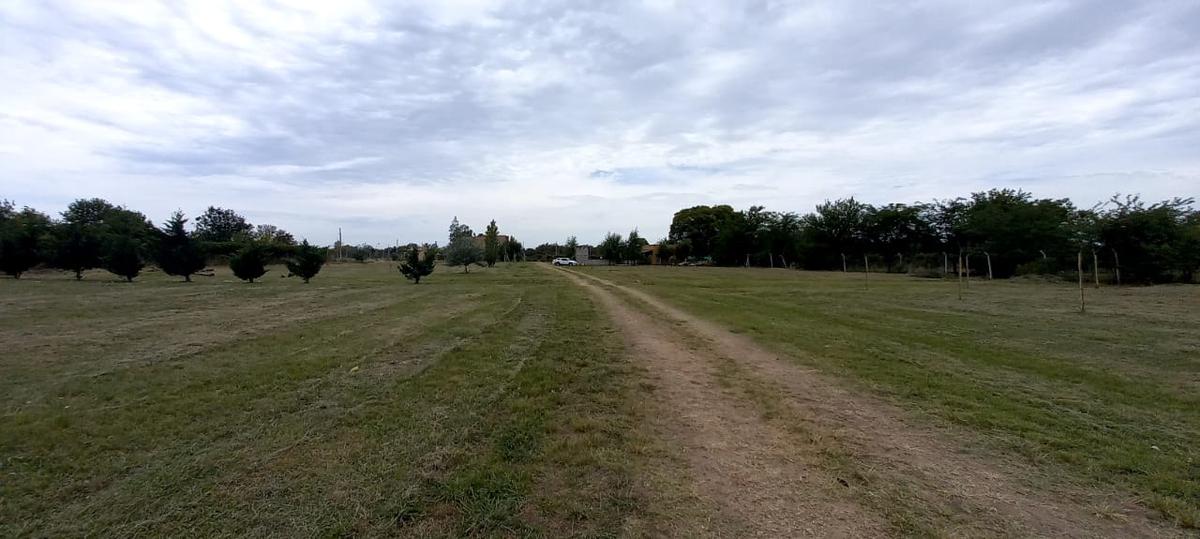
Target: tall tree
(633, 247)
(1015, 229)
(491, 244)
(306, 261)
(221, 225)
(1151, 240)
(696, 229)
(416, 266)
(463, 251)
(458, 230)
(612, 248)
(271, 234)
(178, 253)
(89, 212)
(571, 246)
(249, 263)
(834, 230)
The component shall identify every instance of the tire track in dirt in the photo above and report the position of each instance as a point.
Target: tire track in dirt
(745, 472)
(973, 495)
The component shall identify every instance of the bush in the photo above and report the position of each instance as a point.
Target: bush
(249, 263)
(306, 261)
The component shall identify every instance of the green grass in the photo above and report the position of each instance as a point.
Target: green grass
(1110, 397)
(358, 404)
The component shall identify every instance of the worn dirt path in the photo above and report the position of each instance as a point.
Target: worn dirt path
(775, 449)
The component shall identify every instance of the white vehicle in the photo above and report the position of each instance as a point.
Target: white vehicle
(564, 262)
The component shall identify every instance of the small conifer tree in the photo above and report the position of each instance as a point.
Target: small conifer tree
(414, 266)
(178, 253)
(249, 263)
(306, 262)
(123, 257)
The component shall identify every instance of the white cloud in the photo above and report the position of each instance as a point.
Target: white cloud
(389, 118)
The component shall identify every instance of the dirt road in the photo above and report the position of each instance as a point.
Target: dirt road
(771, 448)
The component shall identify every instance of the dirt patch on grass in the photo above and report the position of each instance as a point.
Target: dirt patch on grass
(745, 470)
(917, 478)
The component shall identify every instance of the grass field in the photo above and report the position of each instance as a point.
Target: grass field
(357, 404)
(516, 401)
(1110, 397)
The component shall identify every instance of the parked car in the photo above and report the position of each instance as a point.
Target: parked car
(564, 262)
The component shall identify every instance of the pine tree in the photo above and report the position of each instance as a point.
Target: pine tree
(249, 263)
(414, 266)
(178, 253)
(123, 257)
(306, 262)
(491, 244)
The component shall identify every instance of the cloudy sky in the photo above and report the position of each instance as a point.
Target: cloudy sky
(559, 118)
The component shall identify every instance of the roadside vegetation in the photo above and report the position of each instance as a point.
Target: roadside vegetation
(1110, 398)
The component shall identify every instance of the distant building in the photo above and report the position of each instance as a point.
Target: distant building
(480, 240)
(650, 254)
(582, 253)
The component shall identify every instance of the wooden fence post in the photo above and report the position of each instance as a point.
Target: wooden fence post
(989, 262)
(843, 262)
(1079, 259)
(867, 272)
(1096, 267)
(1117, 267)
(960, 273)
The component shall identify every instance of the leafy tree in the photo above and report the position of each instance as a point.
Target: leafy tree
(896, 231)
(463, 251)
(221, 225)
(178, 253)
(1015, 229)
(76, 248)
(734, 241)
(89, 212)
(836, 228)
(415, 266)
(22, 239)
(123, 257)
(249, 263)
(633, 246)
(513, 250)
(697, 228)
(306, 261)
(612, 248)
(491, 244)
(1151, 240)
(273, 235)
(571, 246)
(459, 230)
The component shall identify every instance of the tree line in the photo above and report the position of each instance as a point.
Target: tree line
(94, 233)
(1008, 232)
(998, 233)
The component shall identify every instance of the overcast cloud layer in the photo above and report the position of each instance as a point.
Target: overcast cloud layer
(577, 118)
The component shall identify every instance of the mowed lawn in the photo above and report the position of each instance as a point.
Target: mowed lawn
(357, 404)
(1110, 397)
